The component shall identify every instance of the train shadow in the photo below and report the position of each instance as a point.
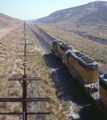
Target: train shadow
(68, 89)
(89, 115)
(52, 61)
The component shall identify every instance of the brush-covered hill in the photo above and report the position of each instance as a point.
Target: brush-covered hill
(6, 21)
(91, 12)
(98, 16)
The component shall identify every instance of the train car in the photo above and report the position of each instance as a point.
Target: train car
(103, 89)
(59, 48)
(81, 66)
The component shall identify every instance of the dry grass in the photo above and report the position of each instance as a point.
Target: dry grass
(46, 87)
(17, 108)
(7, 58)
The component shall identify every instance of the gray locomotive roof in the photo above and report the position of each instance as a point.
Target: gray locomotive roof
(60, 43)
(57, 41)
(103, 79)
(81, 57)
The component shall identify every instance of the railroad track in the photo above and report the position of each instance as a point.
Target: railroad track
(100, 72)
(42, 41)
(85, 113)
(50, 38)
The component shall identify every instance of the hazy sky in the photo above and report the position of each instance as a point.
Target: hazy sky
(33, 9)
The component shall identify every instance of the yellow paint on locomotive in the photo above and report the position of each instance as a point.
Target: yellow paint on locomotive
(103, 95)
(88, 75)
(57, 48)
(67, 60)
(80, 69)
(92, 76)
(54, 46)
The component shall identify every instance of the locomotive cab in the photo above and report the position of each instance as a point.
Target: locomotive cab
(54, 43)
(59, 48)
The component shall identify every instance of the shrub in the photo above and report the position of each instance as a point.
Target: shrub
(16, 92)
(4, 104)
(17, 108)
(4, 117)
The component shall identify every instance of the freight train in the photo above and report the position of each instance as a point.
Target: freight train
(84, 69)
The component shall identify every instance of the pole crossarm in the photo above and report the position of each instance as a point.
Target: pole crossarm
(26, 52)
(27, 43)
(24, 79)
(25, 100)
(35, 113)
(23, 55)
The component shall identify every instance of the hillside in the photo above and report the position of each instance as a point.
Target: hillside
(91, 12)
(99, 16)
(6, 21)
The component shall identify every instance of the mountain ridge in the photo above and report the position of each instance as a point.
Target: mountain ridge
(7, 21)
(77, 14)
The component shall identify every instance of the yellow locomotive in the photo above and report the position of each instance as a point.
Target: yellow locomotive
(81, 65)
(59, 48)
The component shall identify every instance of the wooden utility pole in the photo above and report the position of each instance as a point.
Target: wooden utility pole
(24, 82)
